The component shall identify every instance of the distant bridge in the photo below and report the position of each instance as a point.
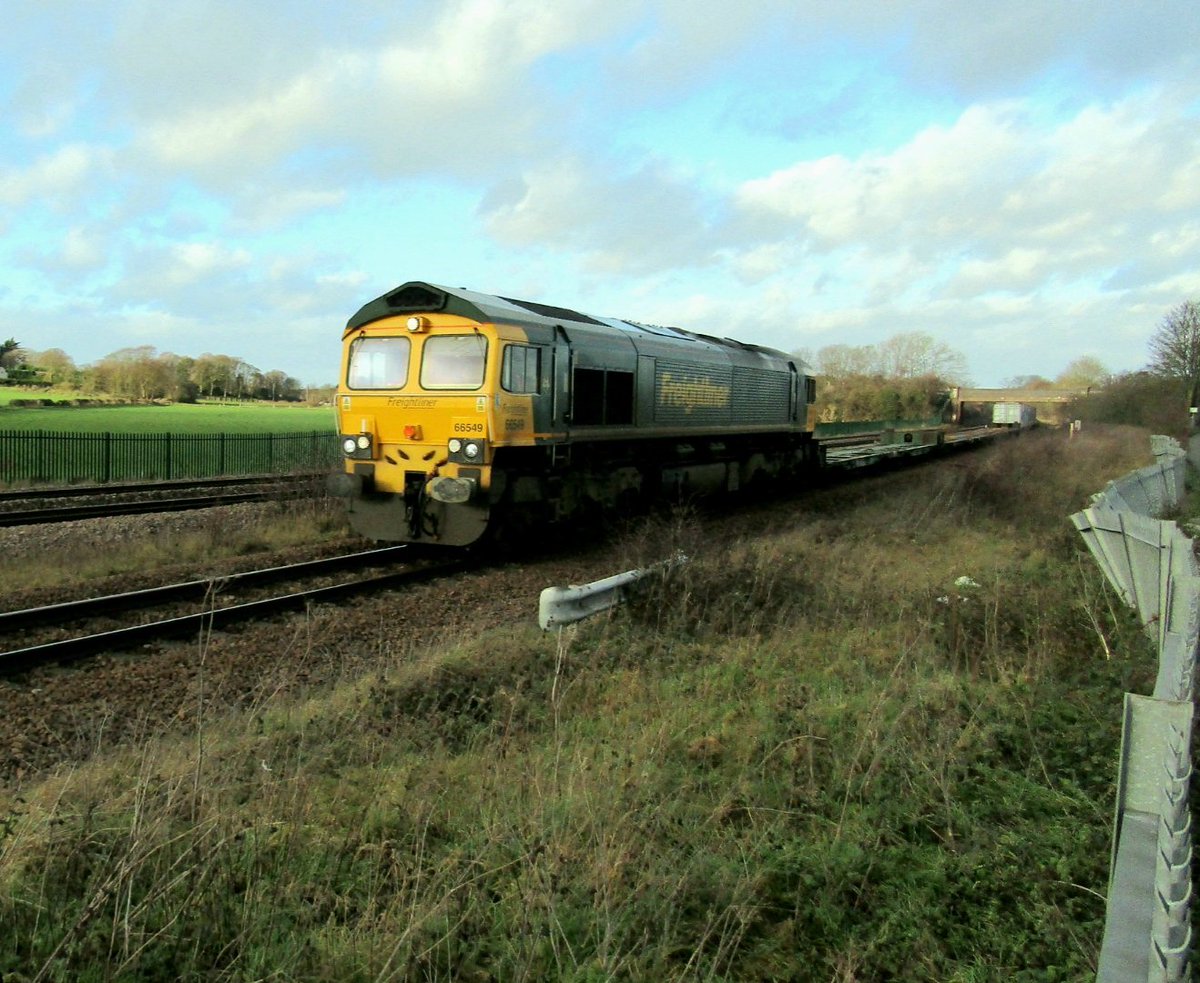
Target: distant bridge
(974, 403)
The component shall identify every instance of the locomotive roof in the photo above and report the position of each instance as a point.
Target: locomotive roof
(416, 297)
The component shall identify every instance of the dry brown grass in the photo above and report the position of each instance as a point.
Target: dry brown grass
(814, 753)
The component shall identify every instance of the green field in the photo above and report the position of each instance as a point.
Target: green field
(177, 418)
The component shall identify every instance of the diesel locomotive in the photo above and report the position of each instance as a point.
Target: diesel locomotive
(462, 413)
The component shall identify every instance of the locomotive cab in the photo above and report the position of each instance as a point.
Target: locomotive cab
(414, 412)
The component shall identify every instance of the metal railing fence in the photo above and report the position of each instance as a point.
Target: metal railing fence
(1151, 564)
(45, 456)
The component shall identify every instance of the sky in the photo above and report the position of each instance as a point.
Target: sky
(1019, 180)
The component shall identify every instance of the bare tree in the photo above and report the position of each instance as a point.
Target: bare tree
(56, 365)
(137, 373)
(215, 373)
(1085, 372)
(845, 360)
(1028, 382)
(912, 354)
(1175, 348)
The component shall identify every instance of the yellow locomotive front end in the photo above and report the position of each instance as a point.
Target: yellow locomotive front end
(415, 422)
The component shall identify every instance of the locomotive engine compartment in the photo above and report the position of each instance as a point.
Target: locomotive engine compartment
(462, 413)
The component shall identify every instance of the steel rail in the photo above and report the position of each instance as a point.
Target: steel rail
(103, 510)
(168, 593)
(126, 488)
(70, 649)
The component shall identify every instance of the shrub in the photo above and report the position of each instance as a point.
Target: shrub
(1137, 399)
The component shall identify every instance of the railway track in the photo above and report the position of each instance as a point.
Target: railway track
(843, 452)
(145, 487)
(202, 595)
(206, 594)
(139, 499)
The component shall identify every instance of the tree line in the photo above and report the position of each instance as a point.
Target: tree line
(905, 377)
(909, 376)
(142, 373)
(1164, 396)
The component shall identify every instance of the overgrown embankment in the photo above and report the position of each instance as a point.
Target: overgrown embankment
(875, 740)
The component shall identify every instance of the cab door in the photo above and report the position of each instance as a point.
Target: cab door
(560, 375)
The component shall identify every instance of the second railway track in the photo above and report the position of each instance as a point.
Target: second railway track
(18, 508)
(205, 599)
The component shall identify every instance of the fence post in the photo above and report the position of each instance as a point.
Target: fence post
(221, 453)
(168, 450)
(106, 458)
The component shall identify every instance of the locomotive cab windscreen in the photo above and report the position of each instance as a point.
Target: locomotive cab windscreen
(378, 363)
(453, 361)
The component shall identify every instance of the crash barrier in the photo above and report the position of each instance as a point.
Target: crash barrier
(1151, 564)
(560, 606)
(1151, 490)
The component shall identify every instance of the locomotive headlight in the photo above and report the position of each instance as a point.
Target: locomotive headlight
(466, 450)
(357, 446)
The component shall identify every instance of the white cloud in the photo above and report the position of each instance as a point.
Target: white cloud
(452, 93)
(58, 173)
(249, 133)
(934, 187)
(194, 260)
(995, 187)
(980, 48)
(82, 250)
(1018, 270)
(638, 222)
(259, 207)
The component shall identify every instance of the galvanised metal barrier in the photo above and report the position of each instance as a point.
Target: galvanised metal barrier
(558, 606)
(52, 456)
(1151, 564)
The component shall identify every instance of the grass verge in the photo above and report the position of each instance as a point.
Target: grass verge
(193, 541)
(877, 742)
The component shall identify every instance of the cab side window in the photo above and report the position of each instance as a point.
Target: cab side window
(521, 369)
